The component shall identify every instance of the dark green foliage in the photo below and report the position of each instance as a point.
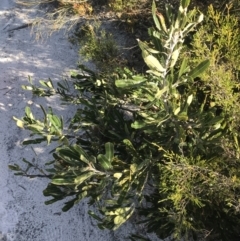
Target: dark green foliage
(151, 144)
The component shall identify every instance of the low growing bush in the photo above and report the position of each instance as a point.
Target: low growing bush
(146, 144)
(99, 46)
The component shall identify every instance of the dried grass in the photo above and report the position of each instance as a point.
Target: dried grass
(64, 13)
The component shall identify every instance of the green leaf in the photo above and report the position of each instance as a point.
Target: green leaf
(123, 215)
(174, 58)
(215, 120)
(177, 111)
(49, 137)
(130, 147)
(35, 141)
(129, 83)
(36, 128)
(45, 114)
(28, 112)
(80, 196)
(138, 124)
(144, 46)
(19, 174)
(183, 67)
(27, 162)
(185, 3)
(189, 99)
(27, 87)
(56, 122)
(104, 162)
(199, 69)
(92, 214)
(83, 155)
(152, 62)
(47, 84)
(63, 181)
(68, 152)
(52, 201)
(162, 22)
(182, 116)
(109, 148)
(14, 167)
(154, 11)
(53, 191)
(160, 92)
(80, 179)
(135, 237)
(68, 205)
(19, 123)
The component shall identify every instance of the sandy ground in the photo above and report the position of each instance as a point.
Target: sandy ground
(23, 215)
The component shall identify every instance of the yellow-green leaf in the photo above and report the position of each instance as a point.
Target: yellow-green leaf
(199, 69)
(80, 179)
(19, 123)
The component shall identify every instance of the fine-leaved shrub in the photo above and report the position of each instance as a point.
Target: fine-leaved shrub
(98, 45)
